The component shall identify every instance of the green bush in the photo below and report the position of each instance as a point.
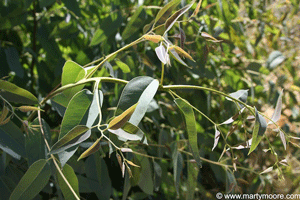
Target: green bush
(125, 100)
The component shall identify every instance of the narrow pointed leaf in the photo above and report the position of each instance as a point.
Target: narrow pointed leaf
(198, 7)
(34, 180)
(183, 53)
(182, 37)
(131, 163)
(276, 115)
(120, 120)
(164, 13)
(190, 121)
(73, 137)
(4, 113)
(177, 165)
(282, 137)
(171, 20)
(240, 94)
(269, 169)
(13, 93)
(177, 57)
(72, 179)
(193, 171)
(217, 137)
(92, 149)
(258, 130)
(206, 35)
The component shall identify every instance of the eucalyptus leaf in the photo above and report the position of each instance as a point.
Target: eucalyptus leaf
(71, 178)
(13, 93)
(190, 121)
(277, 113)
(33, 181)
(259, 129)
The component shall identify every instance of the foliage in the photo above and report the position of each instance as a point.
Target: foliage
(123, 99)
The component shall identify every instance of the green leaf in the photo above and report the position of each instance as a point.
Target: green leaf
(120, 120)
(92, 149)
(190, 121)
(13, 59)
(76, 114)
(259, 129)
(144, 102)
(13, 93)
(157, 175)
(98, 177)
(165, 12)
(140, 89)
(34, 180)
(34, 143)
(192, 180)
(171, 20)
(12, 140)
(75, 136)
(128, 132)
(73, 5)
(146, 181)
(107, 28)
(72, 73)
(177, 165)
(124, 67)
(72, 179)
(134, 24)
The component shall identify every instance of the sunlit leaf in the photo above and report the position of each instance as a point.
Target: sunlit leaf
(177, 57)
(164, 13)
(197, 8)
(13, 93)
(277, 113)
(120, 120)
(183, 53)
(124, 67)
(134, 24)
(190, 121)
(171, 20)
(33, 181)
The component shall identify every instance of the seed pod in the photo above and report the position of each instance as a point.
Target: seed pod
(153, 38)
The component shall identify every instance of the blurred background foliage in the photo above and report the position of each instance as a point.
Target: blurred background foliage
(259, 51)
